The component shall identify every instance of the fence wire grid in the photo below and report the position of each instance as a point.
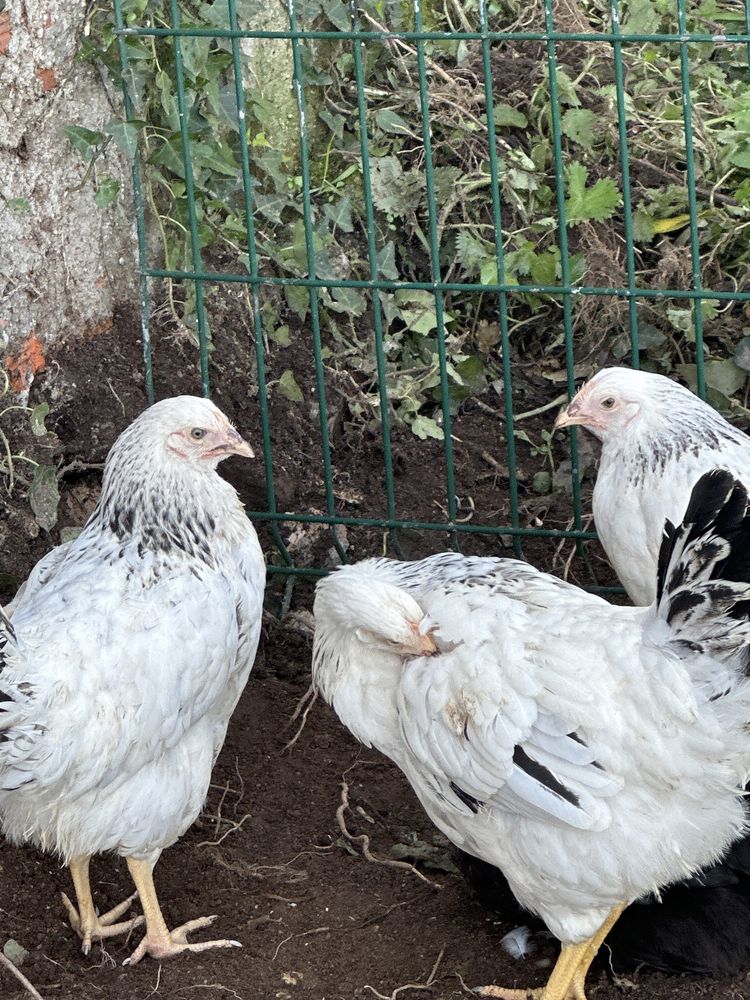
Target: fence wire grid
(565, 291)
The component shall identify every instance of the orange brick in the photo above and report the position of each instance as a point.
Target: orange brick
(5, 32)
(29, 360)
(48, 78)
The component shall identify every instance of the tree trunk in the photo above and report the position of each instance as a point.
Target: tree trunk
(65, 263)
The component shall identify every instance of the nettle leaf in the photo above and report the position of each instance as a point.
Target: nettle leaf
(578, 125)
(340, 214)
(288, 387)
(643, 226)
(643, 17)
(107, 190)
(585, 204)
(507, 116)
(471, 251)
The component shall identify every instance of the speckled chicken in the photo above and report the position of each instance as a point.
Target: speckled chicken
(125, 658)
(592, 752)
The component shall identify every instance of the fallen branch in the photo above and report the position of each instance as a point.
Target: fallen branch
(15, 971)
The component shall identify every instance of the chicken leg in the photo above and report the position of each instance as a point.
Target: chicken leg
(568, 978)
(84, 920)
(159, 941)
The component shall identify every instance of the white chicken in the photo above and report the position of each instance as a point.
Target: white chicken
(657, 441)
(593, 753)
(124, 661)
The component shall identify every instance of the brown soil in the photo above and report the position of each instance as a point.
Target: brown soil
(317, 921)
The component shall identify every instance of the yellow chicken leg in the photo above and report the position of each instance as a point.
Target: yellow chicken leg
(568, 978)
(159, 941)
(84, 920)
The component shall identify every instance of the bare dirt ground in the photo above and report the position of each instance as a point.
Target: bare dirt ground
(317, 920)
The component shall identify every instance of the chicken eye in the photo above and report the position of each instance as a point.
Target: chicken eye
(197, 433)
(608, 403)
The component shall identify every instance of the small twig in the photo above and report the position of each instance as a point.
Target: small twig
(364, 841)
(426, 985)
(232, 829)
(557, 401)
(13, 969)
(407, 48)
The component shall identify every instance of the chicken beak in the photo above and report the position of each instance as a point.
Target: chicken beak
(570, 416)
(424, 644)
(235, 444)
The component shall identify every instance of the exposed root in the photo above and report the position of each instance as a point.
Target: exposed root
(426, 985)
(364, 841)
(303, 706)
(15, 971)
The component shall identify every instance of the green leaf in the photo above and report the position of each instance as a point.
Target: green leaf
(508, 117)
(334, 122)
(741, 157)
(280, 336)
(195, 52)
(288, 387)
(742, 354)
(125, 134)
(544, 268)
(83, 140)
(297, 299)
(583, 203)
(387, 262)
(19, 205)
(340, 214)
(44, 496)
(38, 415)
(389, 121)
(578, 125)
(107, 190)
(643, 226)
(425, 427)
(643, 17)
(724, 376)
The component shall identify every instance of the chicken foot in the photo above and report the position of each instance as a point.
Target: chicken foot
(159, 941)
(85, 921)
(568, 978)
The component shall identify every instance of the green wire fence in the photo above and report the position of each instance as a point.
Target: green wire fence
(567, 291)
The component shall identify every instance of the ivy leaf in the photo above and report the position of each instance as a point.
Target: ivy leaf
(585, 204)
(387, 262)
(83, 140)
(106, 191)
(340, 214)
(389, 121)
(288, 387)
(44, 496)
(125, 134)
(578, 125)
(297, 299)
